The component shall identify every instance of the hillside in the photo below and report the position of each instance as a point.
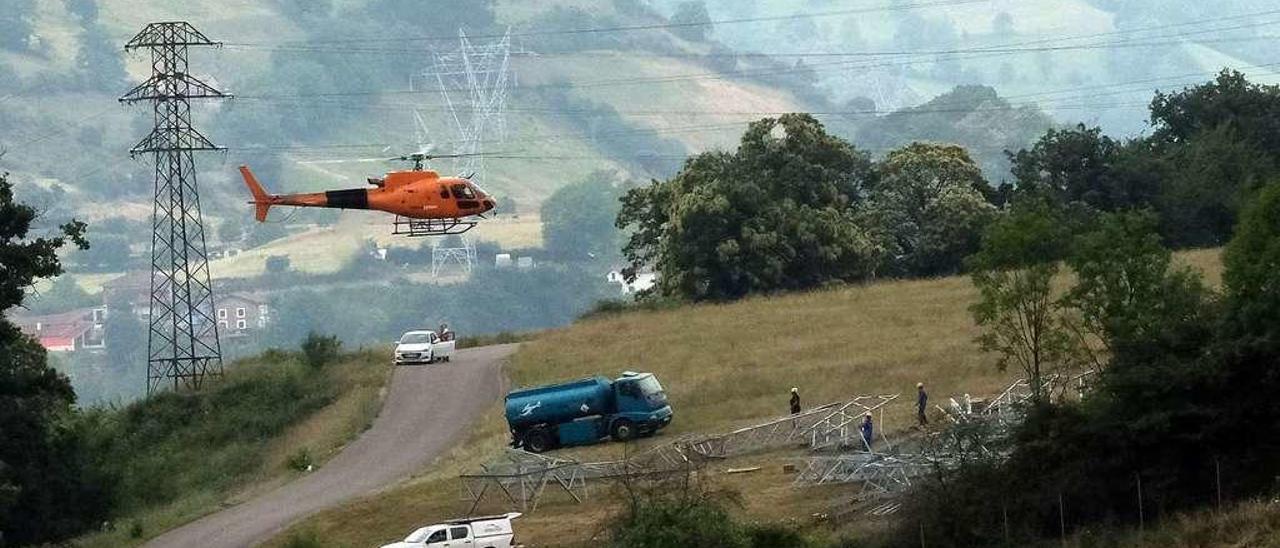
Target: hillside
(723, 366)
(264, 424)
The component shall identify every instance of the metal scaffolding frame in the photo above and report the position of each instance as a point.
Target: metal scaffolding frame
(877, 472)
(825, 426)
(523, 477)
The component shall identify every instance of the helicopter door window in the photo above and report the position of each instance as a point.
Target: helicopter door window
(463, 192)
(444, 193)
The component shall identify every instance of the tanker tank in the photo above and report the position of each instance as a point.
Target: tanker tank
(559, 403)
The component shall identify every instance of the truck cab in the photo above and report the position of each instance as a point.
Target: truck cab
(641, 405)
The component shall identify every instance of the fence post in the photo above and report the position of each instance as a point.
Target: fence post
(1062, 518)
(1217, 473)
(1142, 522)
(1004, 509)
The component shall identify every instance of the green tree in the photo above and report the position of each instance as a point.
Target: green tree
(930, 198)
(577, 219)
(1221, 140)
(777, 214)
(320, 350)
(1013, 271)
(1228, 100)
(1082, 165)
(1209, 176)
(47, 491)
(1252, 275)
(1127, 290)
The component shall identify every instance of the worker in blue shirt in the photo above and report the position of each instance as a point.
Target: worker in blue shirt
(867, 431)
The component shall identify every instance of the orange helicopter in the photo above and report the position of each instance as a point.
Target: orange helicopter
(425, 204)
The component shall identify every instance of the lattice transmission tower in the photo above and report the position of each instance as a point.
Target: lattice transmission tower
(182, 340)
(473, 82)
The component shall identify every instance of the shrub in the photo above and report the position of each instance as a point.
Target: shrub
(320, 350)
(300, 460)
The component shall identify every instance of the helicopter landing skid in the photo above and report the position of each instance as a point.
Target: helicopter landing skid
(414, 228)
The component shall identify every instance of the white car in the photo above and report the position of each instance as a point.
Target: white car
(417, 347)
(477, 532)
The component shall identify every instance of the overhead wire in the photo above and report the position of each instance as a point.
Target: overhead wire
(631, 28)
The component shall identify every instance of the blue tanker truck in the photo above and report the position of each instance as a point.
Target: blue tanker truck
(586, 411)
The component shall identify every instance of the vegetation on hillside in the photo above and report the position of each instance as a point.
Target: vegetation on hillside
(48, 489)
(64, 470)
(255, 426)
(1177, 418)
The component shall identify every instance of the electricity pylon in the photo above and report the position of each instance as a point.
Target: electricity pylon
(182, 339)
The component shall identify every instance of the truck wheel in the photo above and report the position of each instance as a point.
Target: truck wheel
(623, 430)
(538, 440)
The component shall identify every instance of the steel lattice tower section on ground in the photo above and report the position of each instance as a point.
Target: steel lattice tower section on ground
(182, 341)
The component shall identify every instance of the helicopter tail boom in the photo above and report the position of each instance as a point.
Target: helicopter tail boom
(261, 200)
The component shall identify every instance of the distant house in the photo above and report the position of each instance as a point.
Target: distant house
(240, 314)
(74, 331)
(644, 280)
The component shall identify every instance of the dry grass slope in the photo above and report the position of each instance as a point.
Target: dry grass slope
(723, 366)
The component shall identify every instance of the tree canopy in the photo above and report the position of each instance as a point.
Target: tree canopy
(776, 214)
(46, 489)
(930, 200)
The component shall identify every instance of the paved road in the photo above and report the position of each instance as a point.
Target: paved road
(425, 412)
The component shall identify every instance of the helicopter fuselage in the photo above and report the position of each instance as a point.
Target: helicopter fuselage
(414, 194)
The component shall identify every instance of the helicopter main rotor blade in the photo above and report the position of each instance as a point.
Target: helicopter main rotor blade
(346, 161)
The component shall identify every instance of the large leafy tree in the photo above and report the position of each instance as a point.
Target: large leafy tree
(774, 215)
(46, 492)
(929, 197)
(1021, 319)
(1221, 141)
(1082, 165)
(577, 219)
(1127, 289)
(1252, 275)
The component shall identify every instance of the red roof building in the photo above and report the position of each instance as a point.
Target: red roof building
(68, 331)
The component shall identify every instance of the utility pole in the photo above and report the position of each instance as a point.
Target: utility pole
(182, 340)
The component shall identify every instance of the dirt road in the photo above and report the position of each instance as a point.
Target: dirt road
(426, 411)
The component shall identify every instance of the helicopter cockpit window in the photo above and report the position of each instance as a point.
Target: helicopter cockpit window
(463, 192)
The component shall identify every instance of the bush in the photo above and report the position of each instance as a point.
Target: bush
(320, 350)
(300, 460)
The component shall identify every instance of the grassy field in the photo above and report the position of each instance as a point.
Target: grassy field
(723, 366)
(266, 419)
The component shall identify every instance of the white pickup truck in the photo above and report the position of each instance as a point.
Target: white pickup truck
(477, 532)
(416, 347)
